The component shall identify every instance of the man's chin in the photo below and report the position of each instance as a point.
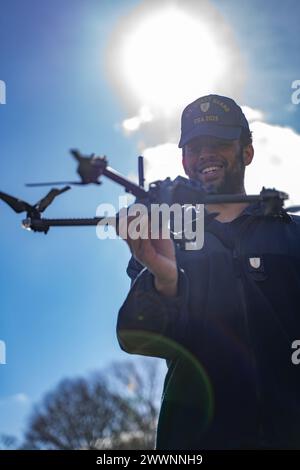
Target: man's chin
(208, 188)
(221, 187)
(215, 187)
(212, 188)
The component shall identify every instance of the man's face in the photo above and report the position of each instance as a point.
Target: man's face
(217, 163)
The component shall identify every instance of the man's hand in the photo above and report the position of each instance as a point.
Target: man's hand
(157, 255)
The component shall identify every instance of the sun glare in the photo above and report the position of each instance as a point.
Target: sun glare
(171, 58)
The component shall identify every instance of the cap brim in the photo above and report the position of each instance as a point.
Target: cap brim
(213, 130)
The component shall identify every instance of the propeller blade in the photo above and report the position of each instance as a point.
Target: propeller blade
(293, 209)
(16, 204)
(32, 185)
(47, 200)
(77, 155)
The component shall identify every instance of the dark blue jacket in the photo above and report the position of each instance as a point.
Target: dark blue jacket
(227, 337)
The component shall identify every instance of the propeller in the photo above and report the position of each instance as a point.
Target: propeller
(89, 169)
(293, 209)
(32, 210)
(33, 185)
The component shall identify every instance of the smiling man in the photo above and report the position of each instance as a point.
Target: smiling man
(217, 146)
(224, 317)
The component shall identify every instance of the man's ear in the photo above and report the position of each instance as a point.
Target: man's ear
(248, 154)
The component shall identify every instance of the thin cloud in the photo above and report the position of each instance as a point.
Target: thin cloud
(17, 398)
(134, 123)
(162, 161)
(276, 161)
(252, 115)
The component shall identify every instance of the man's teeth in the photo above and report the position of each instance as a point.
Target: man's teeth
(210, 169)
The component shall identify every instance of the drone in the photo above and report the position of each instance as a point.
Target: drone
(180, 190)
(90, 168)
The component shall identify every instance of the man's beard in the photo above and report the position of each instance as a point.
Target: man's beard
(232, 181)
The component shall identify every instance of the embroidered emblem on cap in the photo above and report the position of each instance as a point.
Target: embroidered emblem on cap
(204, 106)
(254, 262)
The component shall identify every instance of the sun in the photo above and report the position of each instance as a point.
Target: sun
(170, 58)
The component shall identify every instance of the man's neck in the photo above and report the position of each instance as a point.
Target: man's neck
(227, 212)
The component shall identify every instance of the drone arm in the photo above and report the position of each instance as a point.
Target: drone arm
(43, 225)
(128, 185)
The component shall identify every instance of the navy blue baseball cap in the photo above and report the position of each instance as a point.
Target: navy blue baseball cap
(212, 115)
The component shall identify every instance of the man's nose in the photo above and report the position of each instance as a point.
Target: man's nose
(207, 150)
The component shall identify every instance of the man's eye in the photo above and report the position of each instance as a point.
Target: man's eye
(195, 149)
(220, 144)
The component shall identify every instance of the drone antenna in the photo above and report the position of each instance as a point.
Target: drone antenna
(141, 171)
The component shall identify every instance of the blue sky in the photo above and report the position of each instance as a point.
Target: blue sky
(60, 293)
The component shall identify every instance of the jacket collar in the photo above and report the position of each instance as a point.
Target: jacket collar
(256, 209)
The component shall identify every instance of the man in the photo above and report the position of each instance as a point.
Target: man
(224, 317)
